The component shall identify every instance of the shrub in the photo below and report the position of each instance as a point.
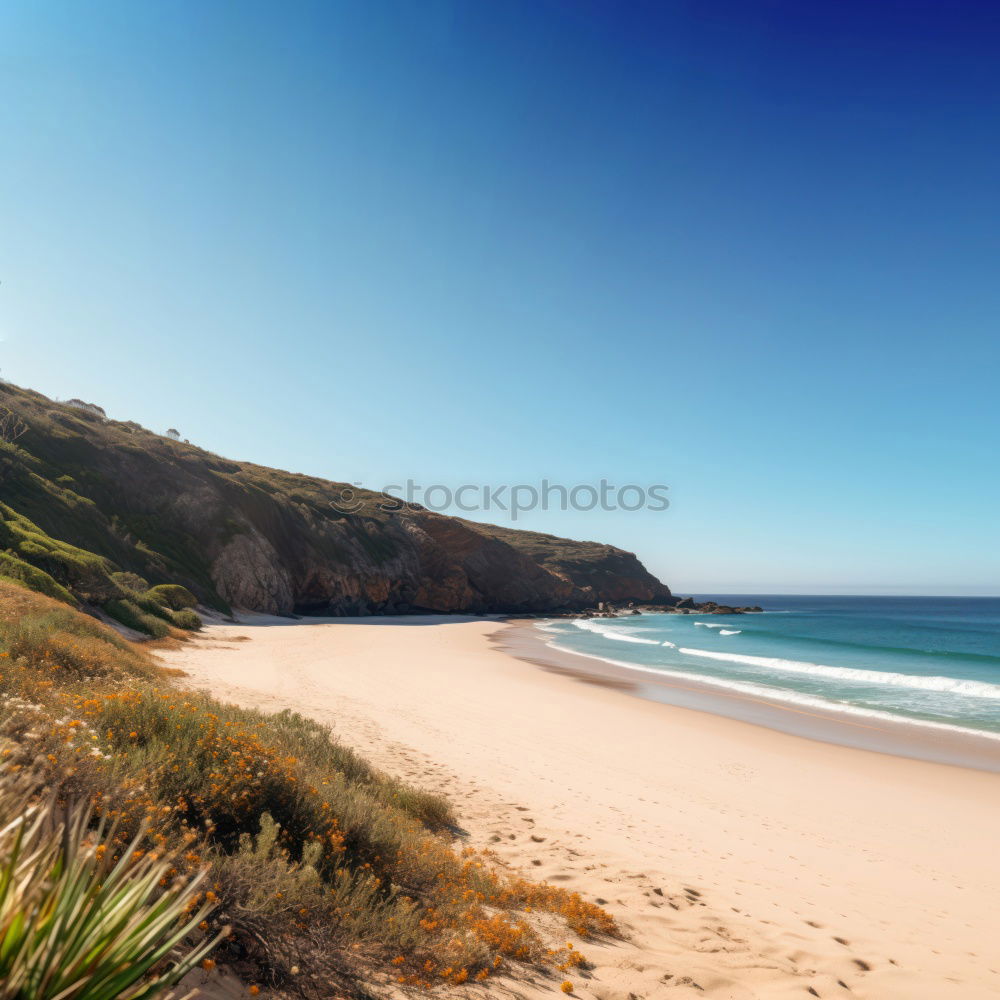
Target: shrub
(173, 596)
(130, 581)
(152, 607)
(129, 613)
(80, 917)
(33, 578)
(292, 915)
(184, 618)
(84, 572)
(187, 620)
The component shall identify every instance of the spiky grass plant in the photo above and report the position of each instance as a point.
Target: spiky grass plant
(82, 918)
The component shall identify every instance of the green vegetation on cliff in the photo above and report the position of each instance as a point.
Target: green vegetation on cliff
(35, 560)
(89, 501)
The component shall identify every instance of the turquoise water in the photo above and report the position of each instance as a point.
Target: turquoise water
(934, 661)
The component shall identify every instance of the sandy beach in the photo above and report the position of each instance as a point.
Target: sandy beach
(743, 862)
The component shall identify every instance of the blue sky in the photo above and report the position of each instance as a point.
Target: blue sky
(747, 250)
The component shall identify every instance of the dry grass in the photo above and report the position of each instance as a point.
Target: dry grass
(318, 861)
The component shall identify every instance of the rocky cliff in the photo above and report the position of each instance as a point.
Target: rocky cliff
(240, 535)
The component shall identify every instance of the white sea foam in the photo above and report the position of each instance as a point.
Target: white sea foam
(548, 627)
(916, 682)
(710, 625)
(784, 695)
(611, 632)
(730, 631)
(672, 645)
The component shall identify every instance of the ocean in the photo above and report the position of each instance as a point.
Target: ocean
(933, 662)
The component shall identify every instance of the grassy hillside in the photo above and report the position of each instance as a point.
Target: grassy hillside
(34, 560)
(85, 498)
(328, 871)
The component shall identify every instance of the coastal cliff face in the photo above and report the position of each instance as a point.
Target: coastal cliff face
(240, 535)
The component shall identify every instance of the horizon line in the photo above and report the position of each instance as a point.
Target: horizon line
(809, 593)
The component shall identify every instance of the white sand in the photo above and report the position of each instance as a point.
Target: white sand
(808, 861)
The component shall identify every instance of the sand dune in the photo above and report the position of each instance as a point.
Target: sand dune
(744, 863)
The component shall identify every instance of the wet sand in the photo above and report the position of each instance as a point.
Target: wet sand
(942, 746)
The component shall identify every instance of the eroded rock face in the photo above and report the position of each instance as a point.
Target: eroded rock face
(266, 540)
(249, 574)
(437, 564)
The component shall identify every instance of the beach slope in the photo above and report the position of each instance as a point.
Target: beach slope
(744, 863)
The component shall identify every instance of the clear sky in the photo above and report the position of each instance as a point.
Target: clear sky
(746, 249)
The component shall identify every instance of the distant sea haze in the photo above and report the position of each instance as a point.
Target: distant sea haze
(933, 662)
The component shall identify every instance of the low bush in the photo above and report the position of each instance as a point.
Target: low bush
(75, 571)
(33, 578)
(173, 596)
(131, 582)
(187, 619)
(152, 607)
(129, 613)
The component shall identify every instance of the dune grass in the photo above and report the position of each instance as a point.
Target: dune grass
(325, 868)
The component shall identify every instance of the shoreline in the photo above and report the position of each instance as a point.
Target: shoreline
(744, 863)
(939, 743)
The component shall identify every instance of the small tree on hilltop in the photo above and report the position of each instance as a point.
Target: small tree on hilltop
(174, 434)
